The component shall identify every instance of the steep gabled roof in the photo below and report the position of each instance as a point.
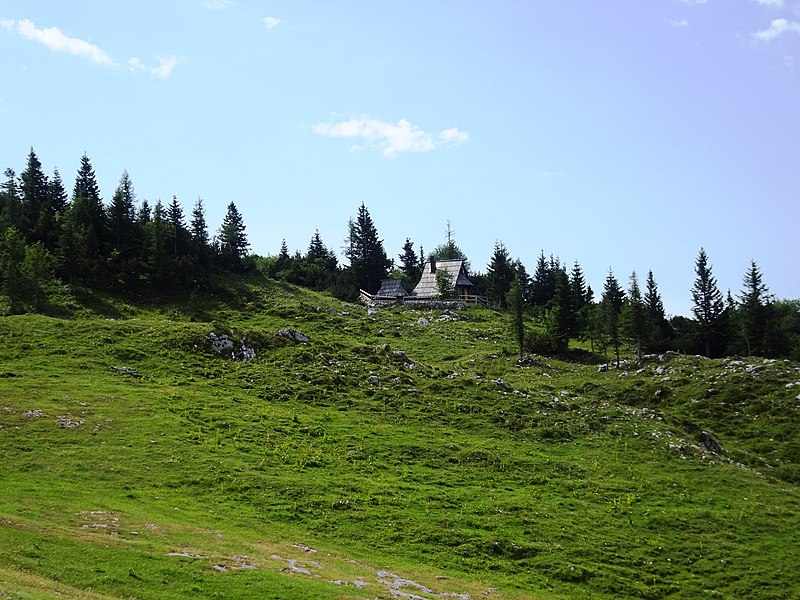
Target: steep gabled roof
(392, 288)
(426, 288)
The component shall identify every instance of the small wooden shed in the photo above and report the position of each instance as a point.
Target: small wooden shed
(392, 288)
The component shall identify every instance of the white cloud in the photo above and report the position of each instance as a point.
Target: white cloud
(392, 139)
(678, 22)
(271, 22)
(775, 3)
(453, 136)
(216, 4)
(776, 28)
(54, 38)
(162, 71)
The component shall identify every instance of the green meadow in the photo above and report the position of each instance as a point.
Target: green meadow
(404, 454)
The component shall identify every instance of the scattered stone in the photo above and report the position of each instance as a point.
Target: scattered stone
(69, 422)
(294, 335)
(502, 384)
(220, 568)
(304, 548)
(130, 372)
(372, 311)
(373, 379)
(660, 370)
(33, 414)
(399, 354)
(423, 321)
(709, 442)
(602, 368)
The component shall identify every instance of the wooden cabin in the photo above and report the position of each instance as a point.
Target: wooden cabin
(426, 289)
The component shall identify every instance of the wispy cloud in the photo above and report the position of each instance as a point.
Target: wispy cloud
(392, 139)
(775, 3)
(678, 22)
(162, 71)
(216, 4)
(271, 22)
(776, 28)
(57, 41)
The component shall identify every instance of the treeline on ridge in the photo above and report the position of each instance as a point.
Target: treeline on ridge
(48, 236)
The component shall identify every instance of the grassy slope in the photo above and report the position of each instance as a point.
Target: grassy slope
(567, 483)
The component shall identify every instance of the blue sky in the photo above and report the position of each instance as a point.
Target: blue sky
(621, 133)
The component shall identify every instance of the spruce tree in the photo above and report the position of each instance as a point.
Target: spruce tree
(450, 250)
(319, 255)
(198, 230)
(10, 201)
(515, 301)
(37, 218)
(364, 249)
(409, 264)
(178, 233)
(499, 275)
(543, 286)
(122, 218)
(560, 317)
(88, 218)
(57, 200)
(232, 238)
(654, 306)
(612, 302)
(708, 308)
(754, 308)
(635, 319)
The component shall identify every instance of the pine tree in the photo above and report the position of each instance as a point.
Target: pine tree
(579, 300)
(232, 238)
(37, 218)
(708, 308)
(57, 200)
(199, 232)
(635, 319)
(12, 255)
(654, 306)
(178, 233)
(122, 218)
(612, 302)
(10, 201)
(560, 318)
(319, 255)
(543, 282)
(409, 263)
(515, 301)
(754, 308)
(499, 275)
(88, 217)
(364, 249)
(284, 259)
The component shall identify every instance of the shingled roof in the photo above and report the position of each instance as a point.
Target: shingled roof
(426, 288)
(392, 288)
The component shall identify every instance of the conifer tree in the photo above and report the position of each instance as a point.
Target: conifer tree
(560, 317)
(12, 255)
(543, 286)
(708, 308)
(499, 275)
(177, 228)
(37, 218)
(57, 200)
(612, 302)
(122, 218)
(283, 260)
(516, 302)
(88, 217)
(10, 201)
(754, 308)
(660, 327)
(364, 249)
(410, 265)
(635, 319)
(232, 238)
(199, 232)
(579, 300)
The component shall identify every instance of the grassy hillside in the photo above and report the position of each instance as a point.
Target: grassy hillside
(387, 457)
